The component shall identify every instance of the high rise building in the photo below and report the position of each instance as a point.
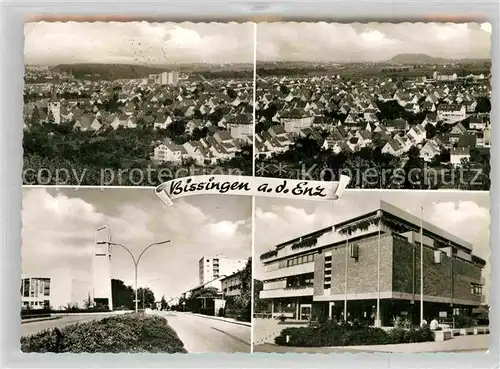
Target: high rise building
(167, 78)
(214, 267)
(101, 268)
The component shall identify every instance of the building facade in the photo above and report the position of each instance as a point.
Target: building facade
(231, 285)
(211, 268)
(58, 289)
(167, 78)
(370, 262)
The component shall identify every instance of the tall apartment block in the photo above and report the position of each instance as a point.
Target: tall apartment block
(217, 266)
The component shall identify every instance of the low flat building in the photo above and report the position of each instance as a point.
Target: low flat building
(231, 285)
(57, 290)
(335, 272)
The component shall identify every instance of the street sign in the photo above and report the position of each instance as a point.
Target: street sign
(136, 300)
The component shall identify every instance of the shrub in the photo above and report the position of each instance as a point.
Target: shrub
(354, 333)
(402, 322)
(464, 321)
(282, 318)
(402, 335)
(126, 333)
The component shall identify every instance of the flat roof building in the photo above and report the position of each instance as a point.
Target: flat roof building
(342, 271)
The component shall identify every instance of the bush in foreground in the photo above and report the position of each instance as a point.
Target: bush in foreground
(132, 333)
(349, 334)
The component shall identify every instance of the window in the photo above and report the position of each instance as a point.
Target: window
(26, 289)
(476, 289)
(46, 287)
(297, 260)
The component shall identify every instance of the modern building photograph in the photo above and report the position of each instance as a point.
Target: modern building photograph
(95, 259)
(359, 260)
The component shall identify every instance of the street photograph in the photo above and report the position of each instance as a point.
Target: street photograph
(373, 272)
(115, 270)
(136, 103)
(392, 105)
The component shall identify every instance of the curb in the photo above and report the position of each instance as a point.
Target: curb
(246, 324)
(27, 321)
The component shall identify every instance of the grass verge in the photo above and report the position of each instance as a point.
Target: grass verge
(133, 333)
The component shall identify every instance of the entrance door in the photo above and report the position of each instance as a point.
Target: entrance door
(336, 312)
(305, 312)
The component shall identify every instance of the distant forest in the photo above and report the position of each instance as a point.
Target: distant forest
(130, 71)
(366, 70)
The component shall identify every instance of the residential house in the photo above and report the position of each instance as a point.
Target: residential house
(430, 119)
(456, 132)
(459, 154)
(196, 151)
(393, 147)
(430, 149)
(451, 113)
(169, 152)
(162, 122)
(477, 123)
(240, 126)
(417, 134)
(396, 125)
(295, 120)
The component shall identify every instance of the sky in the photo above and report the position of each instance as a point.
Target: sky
(371, 41)
(52, 43)
(59, 225)
(464, 214)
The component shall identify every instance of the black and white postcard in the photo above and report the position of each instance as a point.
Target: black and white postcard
(247, 187)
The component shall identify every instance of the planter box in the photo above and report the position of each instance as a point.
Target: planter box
(481, 330)
(466, 331)
(442, 336)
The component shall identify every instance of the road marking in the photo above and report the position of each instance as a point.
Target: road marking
(232, 336)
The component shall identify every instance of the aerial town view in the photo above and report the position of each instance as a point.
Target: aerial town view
(390, 112)
(153, 111)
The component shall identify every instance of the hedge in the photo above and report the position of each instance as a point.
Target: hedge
(133, 333)
(349, 334)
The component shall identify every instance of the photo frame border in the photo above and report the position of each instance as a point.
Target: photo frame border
(14, 15)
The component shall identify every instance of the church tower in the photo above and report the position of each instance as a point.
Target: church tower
(55, 106)
(101, 267)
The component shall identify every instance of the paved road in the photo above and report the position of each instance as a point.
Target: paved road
(35, 327)
(201, 335)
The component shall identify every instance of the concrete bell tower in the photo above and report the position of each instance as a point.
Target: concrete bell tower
(101, 268)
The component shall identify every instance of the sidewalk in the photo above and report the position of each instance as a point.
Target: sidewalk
(458, 344)
(227, 320)
(117, 312)
(26, 321)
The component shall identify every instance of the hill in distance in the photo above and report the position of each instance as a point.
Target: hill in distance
(427, 59)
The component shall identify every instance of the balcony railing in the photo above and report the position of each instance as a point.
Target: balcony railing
(287, 292)
(299, 287)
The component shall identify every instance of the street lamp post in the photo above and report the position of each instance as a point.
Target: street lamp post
(136, 262)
